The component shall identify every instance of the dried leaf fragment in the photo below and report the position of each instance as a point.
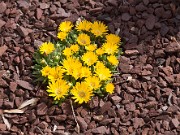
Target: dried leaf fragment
(32, 101)
(14, 111)
(6, 122)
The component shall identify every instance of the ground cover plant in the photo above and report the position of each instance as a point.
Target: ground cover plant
(81, 63)
(146, 98)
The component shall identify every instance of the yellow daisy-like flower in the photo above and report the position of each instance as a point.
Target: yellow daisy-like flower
(58, 89)
(76, 66)
(84, 25)
(93, 82)
(83, 39)
(67, 52)
(45, 71)
(55, 73)
(67, 66)
(99, 65)
(110, 88)
(62, 35)
(71, 65)
(85, 72)
(76, 73)
(81, 92)
(113, 60)
(74, 48)
(47, 48)
(65, 26)
(99, 51)
(103, 73)
(89, 58)
(113, 39)
(110, 48)
(91, 47)
(98, 28)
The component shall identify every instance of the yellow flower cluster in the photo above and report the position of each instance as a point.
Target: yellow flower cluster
(81, 63)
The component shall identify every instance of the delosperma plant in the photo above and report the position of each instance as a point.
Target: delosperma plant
(81, 63)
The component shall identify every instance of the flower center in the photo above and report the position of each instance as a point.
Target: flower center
(92, 84)
(83, 41)
(58, 91)
(98, 32)
(82, 94)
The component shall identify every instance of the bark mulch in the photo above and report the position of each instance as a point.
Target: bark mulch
(147, 96)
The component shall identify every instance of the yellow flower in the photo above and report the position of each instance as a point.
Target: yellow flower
(67, 66)
(91, 47)
(81, 92)
(93, 82)
(72, 66)
(55, 73)
(84, 25)
(76, 73)
(113, 60)
(98, 28)
(77, 65)
(65, 26)
(58, 89)
(89, 58)
(45, 71)
(110, 48)
(67, 52)
(83, 39)
(62, 35)
(110, 88)
(85, 72)
(47, 48)
(74, 48)
(103, 73)
(113, 39)
(99, 51)
(99, 65)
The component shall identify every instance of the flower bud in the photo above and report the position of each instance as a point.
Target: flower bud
(43, 61)
(57, 57)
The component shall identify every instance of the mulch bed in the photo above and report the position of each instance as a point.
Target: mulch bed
(147, 96)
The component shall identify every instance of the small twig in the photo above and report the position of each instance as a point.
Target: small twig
(78, 127)
(6, 122)
(17, 70)
(39, 130)
(169, 99)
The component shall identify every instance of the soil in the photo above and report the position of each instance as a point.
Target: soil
(146, 100)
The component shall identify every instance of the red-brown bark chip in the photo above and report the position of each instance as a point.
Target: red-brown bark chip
(13, 86)
(25, 84)
(22, 31)
(3, 7)
(42, 109)
(105, 107)
(2, 23)
(173, 47)
(39, 13)
(99, 130)
(3, 49)
(150, 22)
(174, 123)
(3, 127)
(83, 125)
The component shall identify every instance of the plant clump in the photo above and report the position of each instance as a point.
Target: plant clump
(81, 63)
